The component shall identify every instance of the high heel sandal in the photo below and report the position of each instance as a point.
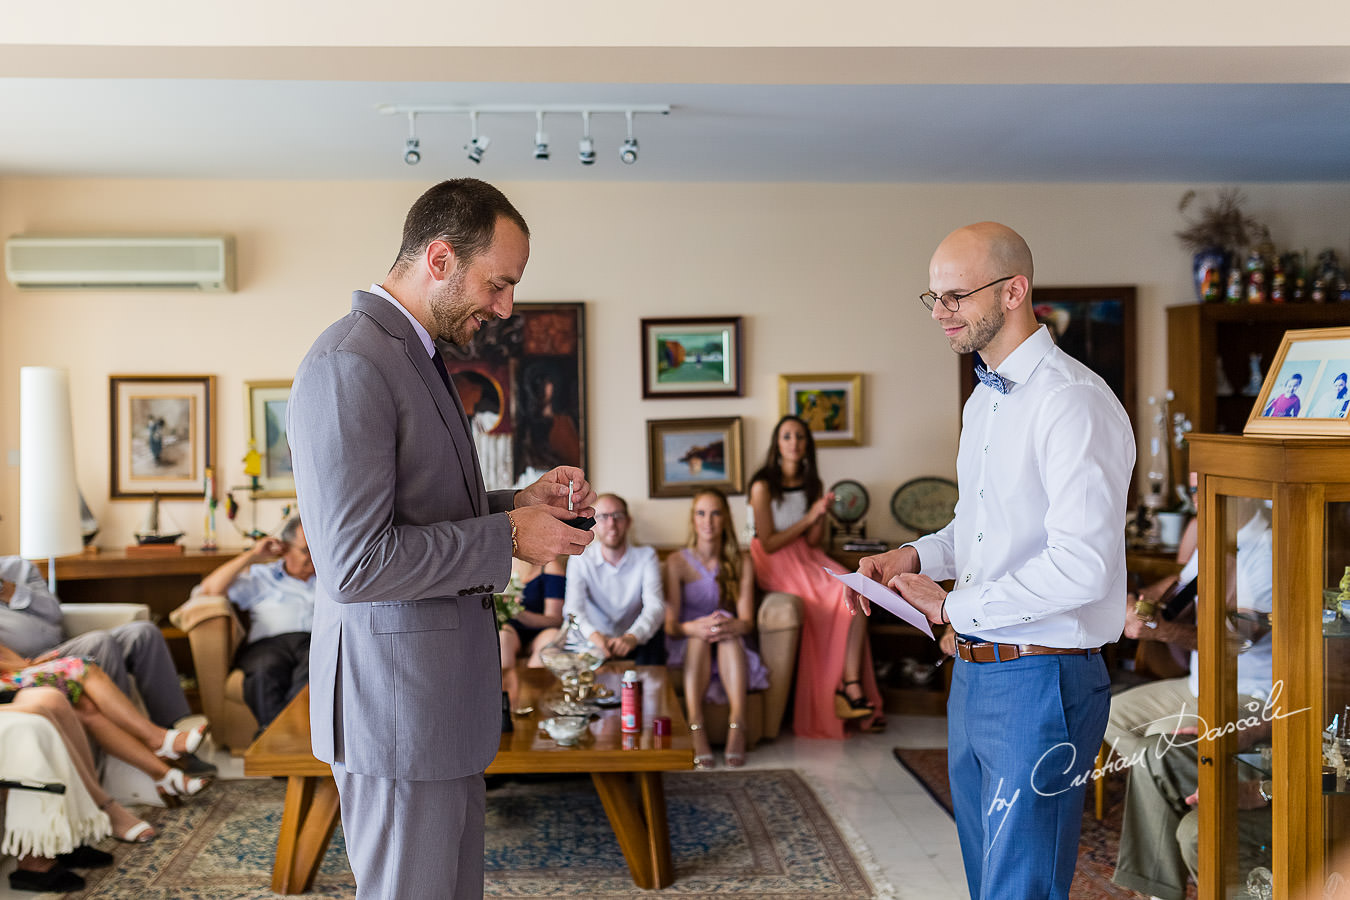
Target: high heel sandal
(176, 785)
(194, 740)
(734, 760)
(701, 760)
(140, 833)
(846, 707)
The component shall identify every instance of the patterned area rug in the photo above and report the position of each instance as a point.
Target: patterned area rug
(1096, 847)
(761, 834)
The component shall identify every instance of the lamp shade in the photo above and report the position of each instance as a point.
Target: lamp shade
(49, 501)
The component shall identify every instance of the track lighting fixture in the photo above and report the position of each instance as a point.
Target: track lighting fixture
(540, 138)
(628, 151)
(412, 152)
(478, 144)
(586, 147)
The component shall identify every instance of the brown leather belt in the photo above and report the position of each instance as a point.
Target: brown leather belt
(984, 652)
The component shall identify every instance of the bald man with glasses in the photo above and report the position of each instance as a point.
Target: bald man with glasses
(1036, 551)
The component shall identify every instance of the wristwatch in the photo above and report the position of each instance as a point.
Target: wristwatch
(1264, 788)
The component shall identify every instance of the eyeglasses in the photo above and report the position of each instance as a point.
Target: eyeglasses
(611, 517)
(953, 301)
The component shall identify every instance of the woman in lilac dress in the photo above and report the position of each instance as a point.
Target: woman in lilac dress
(710, 609)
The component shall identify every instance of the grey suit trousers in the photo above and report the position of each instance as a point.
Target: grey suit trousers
(434, 848)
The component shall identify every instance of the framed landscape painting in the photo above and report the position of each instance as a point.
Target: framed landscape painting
(522, 383)
(162, 435)
(684, 455)
(266, 404)
(691, 357)
(1305, 391)
(830, 405)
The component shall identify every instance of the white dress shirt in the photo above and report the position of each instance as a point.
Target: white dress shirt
(616, 599)
(1037, 543)
(276, 602)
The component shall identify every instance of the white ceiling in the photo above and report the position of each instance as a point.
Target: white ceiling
(288, 129)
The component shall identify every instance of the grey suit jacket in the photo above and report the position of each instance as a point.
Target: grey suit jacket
(405, 678)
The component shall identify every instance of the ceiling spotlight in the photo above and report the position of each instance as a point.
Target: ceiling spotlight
(540, 138)
(412, 152)
(477, 145)
(628, 151)
(586, 147)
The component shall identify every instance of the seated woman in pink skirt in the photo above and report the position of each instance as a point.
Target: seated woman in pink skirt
(111, 718)
(710, 609)
(835, 682)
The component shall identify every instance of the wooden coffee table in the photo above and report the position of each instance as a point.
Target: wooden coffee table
(626, 771)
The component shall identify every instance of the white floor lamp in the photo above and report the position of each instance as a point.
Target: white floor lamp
(49, 501)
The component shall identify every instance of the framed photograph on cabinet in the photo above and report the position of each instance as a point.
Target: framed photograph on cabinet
(162, 435)
(1305, 391)
(523, 385)
(684, 455)
(830, 405)
(691, 357)
(266, 405)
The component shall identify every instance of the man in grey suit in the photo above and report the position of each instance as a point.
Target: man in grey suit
(408, 548)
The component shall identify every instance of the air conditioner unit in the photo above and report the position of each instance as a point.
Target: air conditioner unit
(116, 263)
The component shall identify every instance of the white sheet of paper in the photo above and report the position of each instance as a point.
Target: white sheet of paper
(886, 598)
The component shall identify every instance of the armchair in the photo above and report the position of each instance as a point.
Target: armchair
(215, 635)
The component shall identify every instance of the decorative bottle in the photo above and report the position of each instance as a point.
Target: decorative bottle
(630, 703)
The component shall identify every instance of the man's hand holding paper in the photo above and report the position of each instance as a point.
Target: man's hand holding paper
(869, 590)
(881, 569)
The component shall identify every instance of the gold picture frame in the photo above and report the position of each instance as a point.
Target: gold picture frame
(1305, 390)
(161, 435)
(266, 402)
(684, 455)
(830, 405)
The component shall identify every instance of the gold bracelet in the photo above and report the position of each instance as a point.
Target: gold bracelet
(515, 545)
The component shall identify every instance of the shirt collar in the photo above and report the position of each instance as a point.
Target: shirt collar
(1024, 359)
(422, 333)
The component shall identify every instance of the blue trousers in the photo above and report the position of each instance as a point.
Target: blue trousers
(1022, 739)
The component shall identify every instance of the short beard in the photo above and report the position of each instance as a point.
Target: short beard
(450, 311)
(980, 332)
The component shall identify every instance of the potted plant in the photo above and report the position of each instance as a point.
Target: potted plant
(1217, 238)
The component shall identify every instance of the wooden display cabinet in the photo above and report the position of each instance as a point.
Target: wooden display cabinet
(1306, 484)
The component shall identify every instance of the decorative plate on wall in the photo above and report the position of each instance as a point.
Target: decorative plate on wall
(924, 504)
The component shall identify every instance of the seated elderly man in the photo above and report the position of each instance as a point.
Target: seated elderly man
(30, 624)
(614, 589)
(279, 597)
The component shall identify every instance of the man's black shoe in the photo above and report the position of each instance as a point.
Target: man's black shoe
(55, 880)
(197, 767)
(85, 857)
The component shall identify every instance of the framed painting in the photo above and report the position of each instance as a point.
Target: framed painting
(266, 405)
(1094, 325)
(830, 405)
(684, 455)
(691, 357)
(162, 435)
(522, 383)
(1305, 392)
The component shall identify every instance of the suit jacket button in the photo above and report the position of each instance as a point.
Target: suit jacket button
(487, 603)
(462, 593)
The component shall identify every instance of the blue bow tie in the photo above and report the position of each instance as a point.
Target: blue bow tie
(992, 379)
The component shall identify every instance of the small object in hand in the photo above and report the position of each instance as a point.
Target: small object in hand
(569, 495)
(585, 523)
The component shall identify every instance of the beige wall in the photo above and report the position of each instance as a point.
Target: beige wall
(825, 276)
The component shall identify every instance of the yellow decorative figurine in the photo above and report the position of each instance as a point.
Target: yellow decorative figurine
(253, 464)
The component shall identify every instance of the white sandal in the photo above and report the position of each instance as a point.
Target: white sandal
(176, 784)
(194, 740)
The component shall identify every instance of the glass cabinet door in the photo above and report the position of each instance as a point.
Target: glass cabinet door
(1243, 560)
(1335, 794)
